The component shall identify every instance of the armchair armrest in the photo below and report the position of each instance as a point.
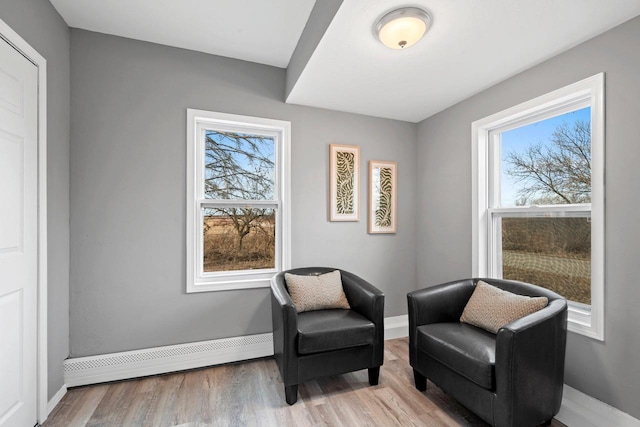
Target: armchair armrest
(368, 301)
(363, 297)
(285, 328)
(529, 362)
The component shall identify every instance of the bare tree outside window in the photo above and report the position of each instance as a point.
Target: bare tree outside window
(554, 252)
(556, 172)
(240, 167)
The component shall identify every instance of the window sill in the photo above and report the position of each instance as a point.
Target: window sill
(228, 285)
(231, 280)
(582, 321)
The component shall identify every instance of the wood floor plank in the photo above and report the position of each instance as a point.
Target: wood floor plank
(398, 405)
(77, 406)
(114, 405)
(400, 378)
(162, 404)
(252, 394)
(141, 400)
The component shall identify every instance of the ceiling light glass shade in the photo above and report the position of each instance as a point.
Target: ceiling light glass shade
(402, 28)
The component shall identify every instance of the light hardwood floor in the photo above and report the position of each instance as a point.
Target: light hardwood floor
(251, 394)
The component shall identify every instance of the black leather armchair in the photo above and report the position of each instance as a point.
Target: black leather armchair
(314, 344)
(512, 378)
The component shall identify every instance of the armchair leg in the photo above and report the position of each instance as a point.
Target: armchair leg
(374, 374)
(291, 393)
(421, 380)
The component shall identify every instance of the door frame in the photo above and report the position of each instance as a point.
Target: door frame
(38, 60)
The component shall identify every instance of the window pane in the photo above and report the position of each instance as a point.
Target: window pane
(554, 253)
(239, 166)
(547, 162)
(238, 239)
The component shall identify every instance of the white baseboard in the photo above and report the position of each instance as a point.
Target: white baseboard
(159, 360)
(56, 399)
(581, 410)
(396, 327)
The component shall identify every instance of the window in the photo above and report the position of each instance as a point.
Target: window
(538, 198)
(237, 200)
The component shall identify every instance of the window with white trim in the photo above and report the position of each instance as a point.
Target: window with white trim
(238, 214)
(538, 198)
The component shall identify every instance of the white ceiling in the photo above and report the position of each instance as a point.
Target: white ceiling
(471, 46)
(260, 31)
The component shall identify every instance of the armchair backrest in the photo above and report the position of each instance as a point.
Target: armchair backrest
(352, 285)
(446, 302)
(363, 297)
(305, 271)
(521, 288)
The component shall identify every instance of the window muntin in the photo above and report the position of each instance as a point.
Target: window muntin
(496, 207)
(238, 215)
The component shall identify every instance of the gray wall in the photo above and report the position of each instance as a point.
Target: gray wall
(608, 371)
(41, 26)
(128, 104)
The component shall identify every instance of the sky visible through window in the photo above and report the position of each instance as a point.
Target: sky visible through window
(520, 139)
(239, 166)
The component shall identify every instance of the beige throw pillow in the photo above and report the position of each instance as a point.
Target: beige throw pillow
(491, 308)
(316, 292)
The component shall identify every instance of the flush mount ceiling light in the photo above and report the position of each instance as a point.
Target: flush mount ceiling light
(402, 28)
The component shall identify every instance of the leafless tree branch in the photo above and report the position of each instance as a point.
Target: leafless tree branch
(556, 173)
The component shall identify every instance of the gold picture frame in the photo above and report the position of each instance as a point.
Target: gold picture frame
(383, 197)
(344, 182)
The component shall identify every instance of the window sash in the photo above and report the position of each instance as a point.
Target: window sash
(280, 131)
(236, 275)
(494, 241)
(275, 204)
(238, 203)
(542, 210)
(580, 312)
(495, 142)
(203, 127)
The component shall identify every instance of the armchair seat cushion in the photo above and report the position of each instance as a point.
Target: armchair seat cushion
(335, 329)
(465, 349)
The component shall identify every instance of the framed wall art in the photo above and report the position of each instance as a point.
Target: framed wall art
(344, 177)
(383, 198)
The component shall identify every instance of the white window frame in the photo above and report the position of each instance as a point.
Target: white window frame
(197, 122)
(583, 319)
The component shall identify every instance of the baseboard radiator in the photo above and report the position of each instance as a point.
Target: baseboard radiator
(152, 361)
(158, 360)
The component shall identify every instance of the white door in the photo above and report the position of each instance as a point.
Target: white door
(18, 237)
